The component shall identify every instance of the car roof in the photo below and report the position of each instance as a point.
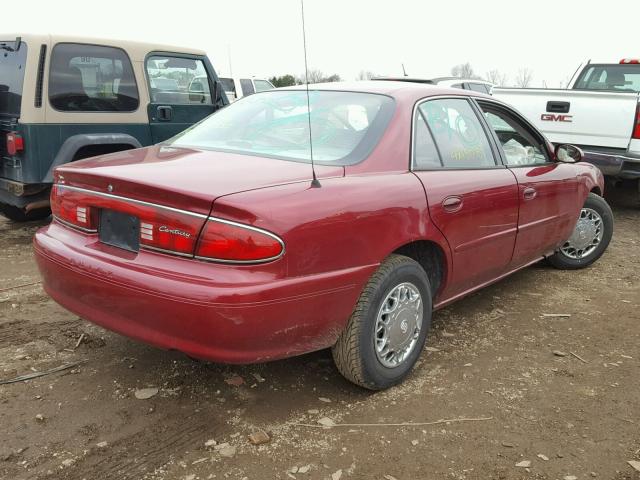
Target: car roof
(391, 88)
(136, 50)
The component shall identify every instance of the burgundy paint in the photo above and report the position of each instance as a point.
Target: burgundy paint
(335, 237)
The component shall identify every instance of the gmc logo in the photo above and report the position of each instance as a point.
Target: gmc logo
(550, 117)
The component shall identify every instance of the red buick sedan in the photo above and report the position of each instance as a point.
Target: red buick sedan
(218, 244)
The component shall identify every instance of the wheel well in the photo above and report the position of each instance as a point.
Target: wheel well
(430, 256)
(100, 149)
(597, 191)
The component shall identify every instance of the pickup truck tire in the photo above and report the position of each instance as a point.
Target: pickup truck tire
(594, 226)
(19, 215)
(365, 350)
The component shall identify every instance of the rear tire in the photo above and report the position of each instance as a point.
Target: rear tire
(596, 220)
(19, 215)
(399, 290)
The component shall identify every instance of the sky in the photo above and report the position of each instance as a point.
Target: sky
(264, 38)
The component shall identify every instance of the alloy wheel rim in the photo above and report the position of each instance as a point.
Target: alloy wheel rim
(398, 324)
(586, 235)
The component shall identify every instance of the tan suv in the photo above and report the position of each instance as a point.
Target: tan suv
(67, 98)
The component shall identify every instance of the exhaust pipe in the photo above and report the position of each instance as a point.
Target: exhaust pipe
(37, 205)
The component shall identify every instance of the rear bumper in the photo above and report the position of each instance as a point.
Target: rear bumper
(620, 164)
(217, 312)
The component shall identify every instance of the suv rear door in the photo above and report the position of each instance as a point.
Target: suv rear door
(181, 92)
(13, 60)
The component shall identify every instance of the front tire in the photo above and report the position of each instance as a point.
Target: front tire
(19, 215)
(388, 328)
(590, 237)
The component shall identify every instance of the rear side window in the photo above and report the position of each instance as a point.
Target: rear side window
(425, 154)
(247, 86)
(91, 78)
(458, 133)
(178, 80)
(620, 78)
(478, 87)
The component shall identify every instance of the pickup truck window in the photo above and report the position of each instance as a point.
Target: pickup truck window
(91, 78)
(177, 80)
(262, 85)
(247, 86)
(458, 133)
(519, 146)
(620, 78)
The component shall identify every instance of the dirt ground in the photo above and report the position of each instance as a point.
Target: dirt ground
(489, 357)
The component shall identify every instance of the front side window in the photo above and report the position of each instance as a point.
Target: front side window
(458, 133)
(519, 145)
(345, 126)
(247, 86)
(178, 80)
(91, 78)
(620, 78)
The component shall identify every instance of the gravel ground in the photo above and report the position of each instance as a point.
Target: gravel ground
(490, 357)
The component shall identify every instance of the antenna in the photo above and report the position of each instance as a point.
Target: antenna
(403, 70)
(315, 183)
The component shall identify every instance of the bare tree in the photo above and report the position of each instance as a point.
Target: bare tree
(463, 70)
(316, 76)
(366, 75)
(524, 77)
(497, 78)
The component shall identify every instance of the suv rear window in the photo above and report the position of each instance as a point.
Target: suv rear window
(91, 78)
(12, 64)
(619, 78)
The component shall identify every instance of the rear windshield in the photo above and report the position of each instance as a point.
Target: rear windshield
(13, 60)
(345, 126)
(619, 78)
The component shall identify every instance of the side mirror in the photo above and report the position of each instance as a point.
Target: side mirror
(568, 153)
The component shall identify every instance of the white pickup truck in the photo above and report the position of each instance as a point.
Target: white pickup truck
(599, 111)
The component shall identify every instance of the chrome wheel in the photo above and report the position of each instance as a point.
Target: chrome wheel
(586, 236)
(398, 324)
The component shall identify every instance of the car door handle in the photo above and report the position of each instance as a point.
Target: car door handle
(452, 204)
(529, 193)
(165, 113)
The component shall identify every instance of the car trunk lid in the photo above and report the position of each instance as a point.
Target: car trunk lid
(184, 178)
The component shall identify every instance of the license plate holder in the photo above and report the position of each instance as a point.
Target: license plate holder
(119, 230)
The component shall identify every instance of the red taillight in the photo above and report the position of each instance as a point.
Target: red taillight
(15, 143)
(161, 228)
(226, 241)
(629, 61)
(72, 210)
(636, 127)
(168, 229)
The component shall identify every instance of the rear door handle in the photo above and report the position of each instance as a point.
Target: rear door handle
(452, 204)
(529, 193)
(165, 113)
